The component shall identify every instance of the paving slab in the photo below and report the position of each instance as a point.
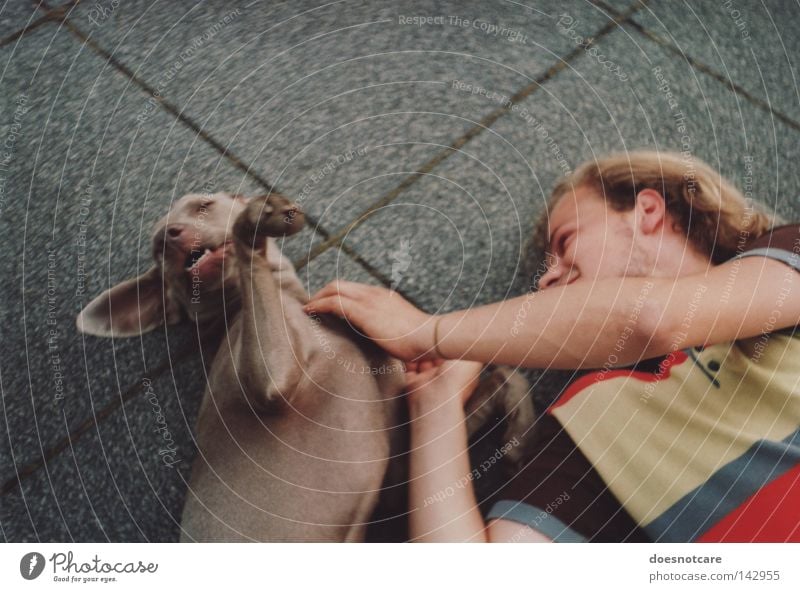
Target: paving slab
(15, 15)
(82, 186)
(124, 481)
(292, 87)
(458, 233)
(336, 107)
(111, 483)
(751, 43)
(333, 264)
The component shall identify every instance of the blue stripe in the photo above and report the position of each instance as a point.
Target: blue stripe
(726, 490)
(787, 257)
(537, 519)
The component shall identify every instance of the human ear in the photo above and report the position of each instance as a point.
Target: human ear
(650, 211)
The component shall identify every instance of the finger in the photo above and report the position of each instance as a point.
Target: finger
(429, 355)
(334, 289)
(329, 289)
(419, 380)
(342, 287)
(411, 367)
(426, 365)
(329, 304)
(341, 306)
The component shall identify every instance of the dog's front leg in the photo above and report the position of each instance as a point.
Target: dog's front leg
(266, 359)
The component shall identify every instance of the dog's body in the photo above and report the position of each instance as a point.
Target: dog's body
(294, 429)
(299, 421)
(303, 458)
(310, 471)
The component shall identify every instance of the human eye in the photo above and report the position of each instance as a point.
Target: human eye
(562, 242)
(566, 241)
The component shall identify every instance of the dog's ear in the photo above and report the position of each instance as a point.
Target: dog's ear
(130, 308)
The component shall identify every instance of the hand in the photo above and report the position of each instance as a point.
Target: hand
(439, 380)
(383, 315)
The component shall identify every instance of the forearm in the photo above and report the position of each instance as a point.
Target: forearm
(441, 499)
(584, 325)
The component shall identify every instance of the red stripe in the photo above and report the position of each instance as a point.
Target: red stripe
(770, 515)
(664, 371)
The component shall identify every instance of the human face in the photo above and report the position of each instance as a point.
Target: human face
(589, 241)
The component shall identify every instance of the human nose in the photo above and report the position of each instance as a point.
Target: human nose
(555, 269)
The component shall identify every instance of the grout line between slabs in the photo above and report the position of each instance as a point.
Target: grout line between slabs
(86, 425)
(331, 240)
(459, 142)
(704, 68)
(218, 146)
(54, 13)
(8, 39)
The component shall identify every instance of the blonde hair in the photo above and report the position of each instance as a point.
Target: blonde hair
(713, 214)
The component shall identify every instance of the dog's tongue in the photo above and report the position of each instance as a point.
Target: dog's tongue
(207, 266)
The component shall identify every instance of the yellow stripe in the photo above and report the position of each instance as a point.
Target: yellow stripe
(654, 442)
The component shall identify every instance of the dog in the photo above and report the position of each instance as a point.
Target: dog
(301, 417)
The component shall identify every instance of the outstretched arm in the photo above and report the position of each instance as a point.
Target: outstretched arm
(584, 324)
(442, 505)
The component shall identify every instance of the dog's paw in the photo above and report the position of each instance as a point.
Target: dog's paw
(268, 215)
(507, 393)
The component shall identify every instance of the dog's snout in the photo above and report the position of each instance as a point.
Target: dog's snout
(174, 231)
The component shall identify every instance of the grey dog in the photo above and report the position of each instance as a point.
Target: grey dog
(300, 418)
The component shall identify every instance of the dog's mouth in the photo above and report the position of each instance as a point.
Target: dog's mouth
(202, 259)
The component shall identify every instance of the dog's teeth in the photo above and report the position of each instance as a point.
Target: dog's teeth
(196, 256)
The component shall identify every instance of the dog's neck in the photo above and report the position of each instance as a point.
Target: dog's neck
(226, 302)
